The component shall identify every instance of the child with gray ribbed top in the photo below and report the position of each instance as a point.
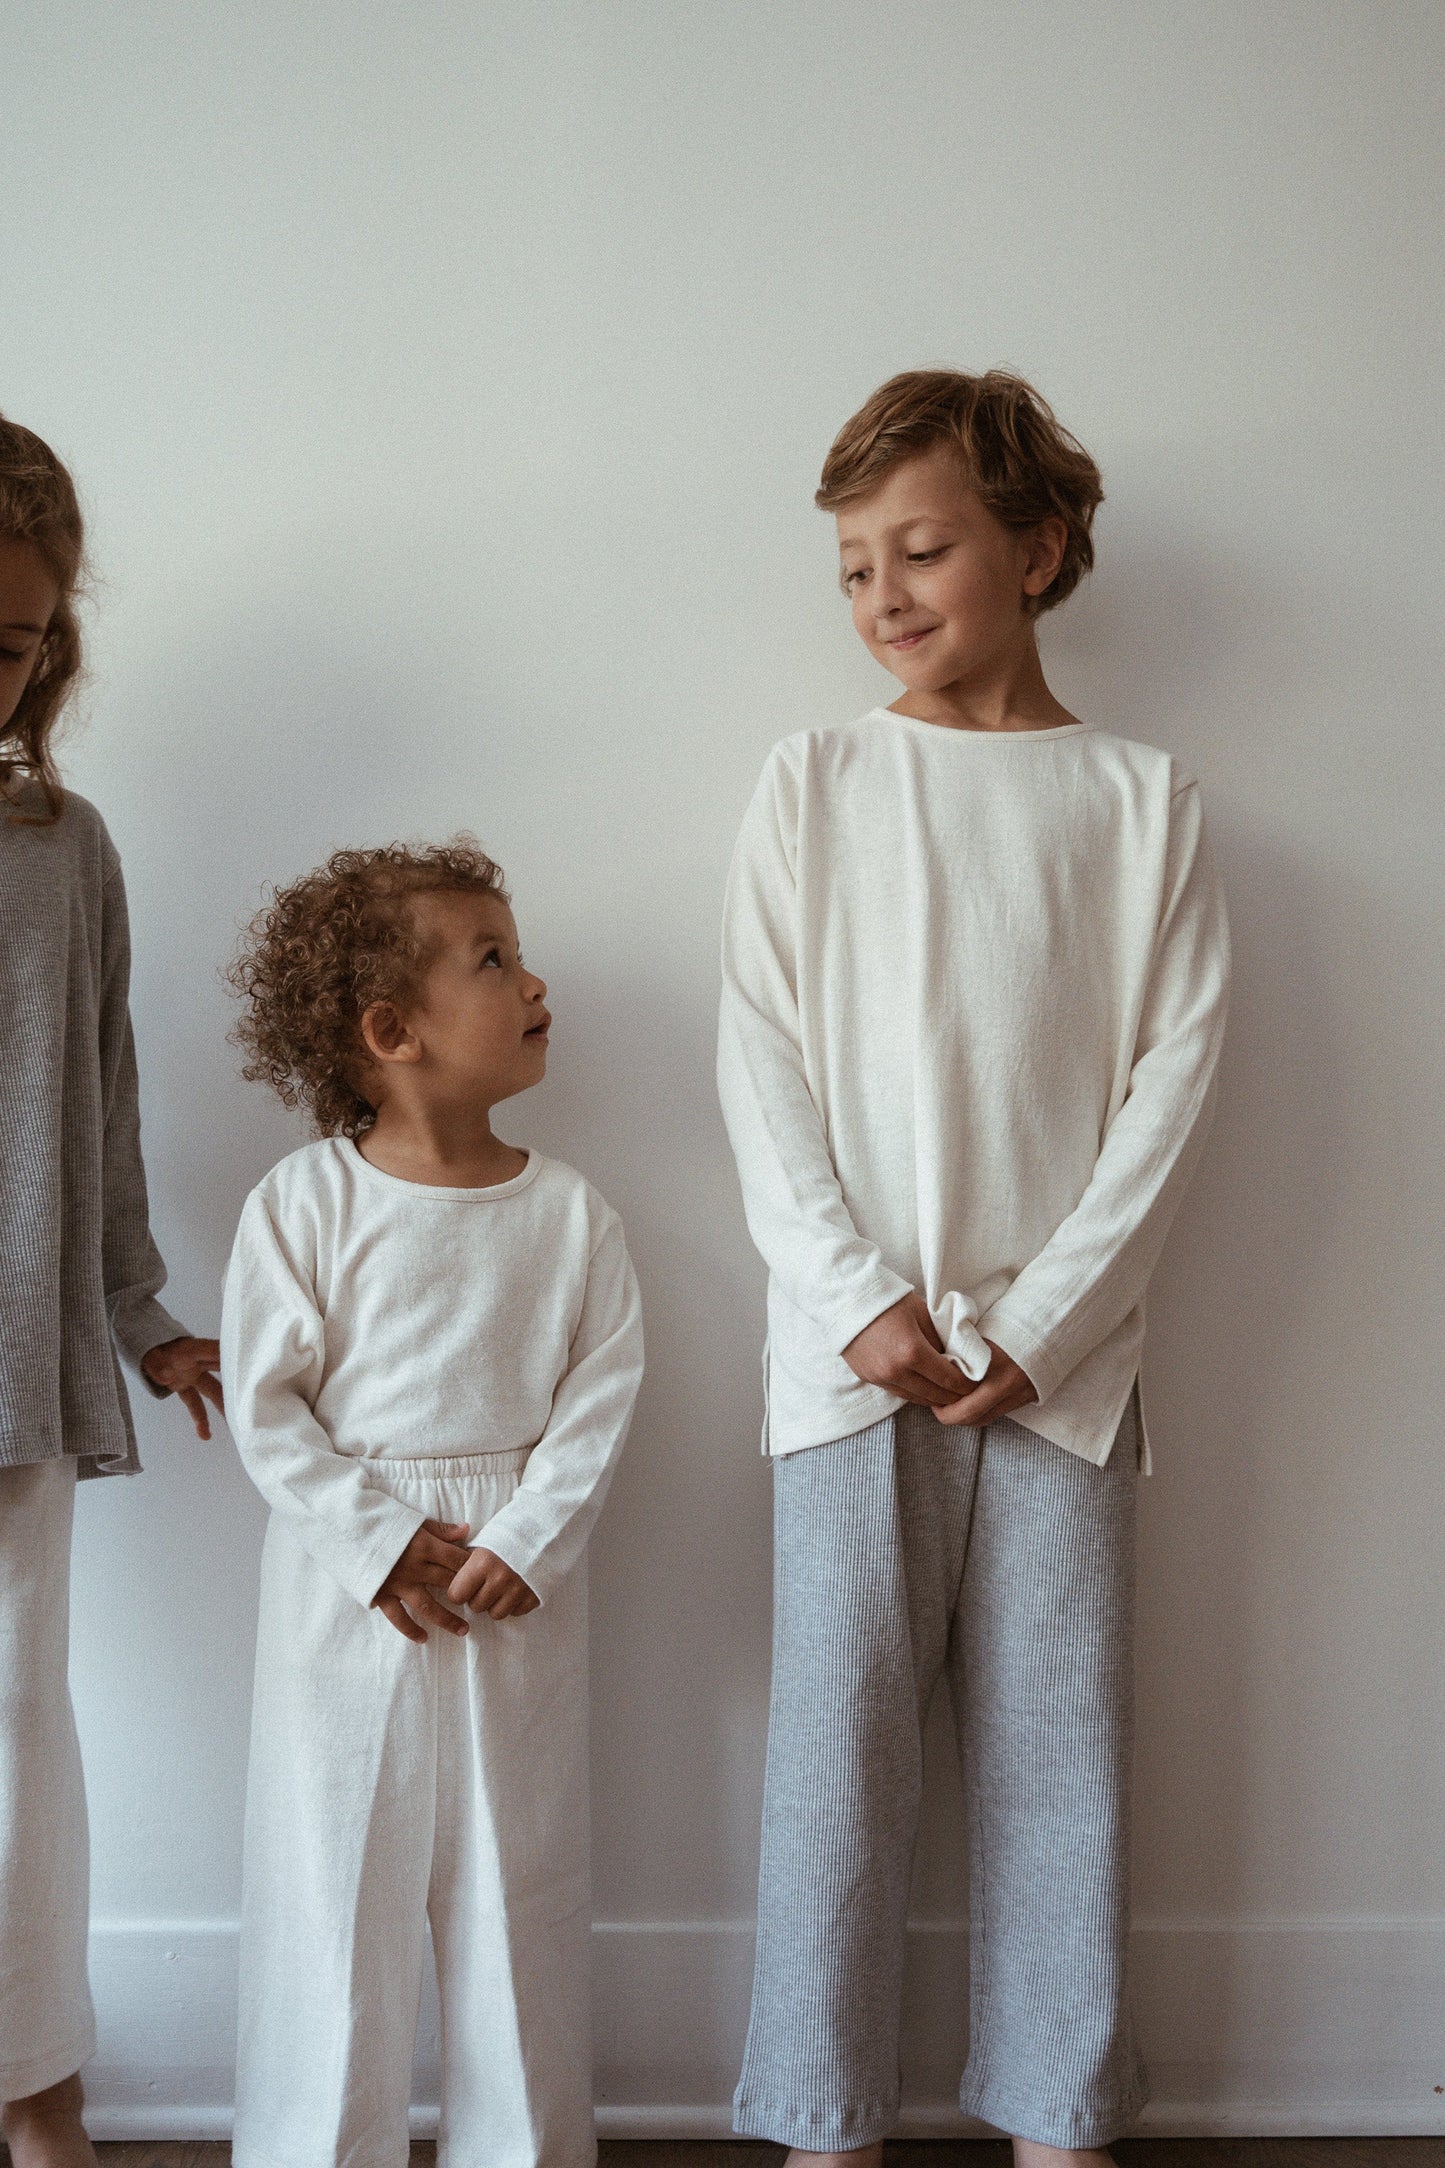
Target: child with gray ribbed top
(431, 1345)
(79, 1277)
(975, 971)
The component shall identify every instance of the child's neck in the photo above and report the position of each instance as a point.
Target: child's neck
(1008, 692)
(443, 1147)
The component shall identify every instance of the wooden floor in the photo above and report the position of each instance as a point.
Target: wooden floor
(1132, 2153)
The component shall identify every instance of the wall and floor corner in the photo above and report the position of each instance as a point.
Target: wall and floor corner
(448, 387)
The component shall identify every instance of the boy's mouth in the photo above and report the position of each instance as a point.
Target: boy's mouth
(540, 1029)
(907, 640)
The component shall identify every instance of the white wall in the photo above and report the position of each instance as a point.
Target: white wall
(448, 385)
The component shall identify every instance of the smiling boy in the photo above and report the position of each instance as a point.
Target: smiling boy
(975, 970)
(432, 1341)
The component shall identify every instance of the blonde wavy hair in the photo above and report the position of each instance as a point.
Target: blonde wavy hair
(1015, 455)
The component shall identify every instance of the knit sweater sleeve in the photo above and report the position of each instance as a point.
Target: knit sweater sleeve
(541, 1531)
(273, 1353)
(1095, 1267)
(794, 1203)
(132, 1268)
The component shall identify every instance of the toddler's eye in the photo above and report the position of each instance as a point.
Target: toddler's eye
(923, 557)
(12, 654)
(493, 956)
(851, 579)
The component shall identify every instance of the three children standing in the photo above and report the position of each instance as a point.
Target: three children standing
(974, 982)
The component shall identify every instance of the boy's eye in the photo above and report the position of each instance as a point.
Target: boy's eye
(12, 654)
(493, 956)
(924, 557)
(850, 579)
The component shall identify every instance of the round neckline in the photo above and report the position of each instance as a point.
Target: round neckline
(482, 1193)
(982, 737)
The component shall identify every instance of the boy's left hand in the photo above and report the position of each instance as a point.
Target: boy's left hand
(487, 1583)
(1002, 1388)
(188, 1369)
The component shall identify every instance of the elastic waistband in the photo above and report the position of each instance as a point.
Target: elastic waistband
(430, 1467)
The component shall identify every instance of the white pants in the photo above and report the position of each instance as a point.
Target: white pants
(47, 2027)
(392, 1782)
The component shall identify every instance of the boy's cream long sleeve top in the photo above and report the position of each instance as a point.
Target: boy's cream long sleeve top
(974, 988)
(366, 1319)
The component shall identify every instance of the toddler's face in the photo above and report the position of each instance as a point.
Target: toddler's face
(480, 1018)
(936, 583)
(28, 596)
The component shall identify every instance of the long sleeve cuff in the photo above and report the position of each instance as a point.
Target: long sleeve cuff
(844, 1321)
(362, 1561)
(139, 1326)
(1023, 1346)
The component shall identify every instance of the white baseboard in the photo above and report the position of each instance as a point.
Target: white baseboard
(1306, 2028)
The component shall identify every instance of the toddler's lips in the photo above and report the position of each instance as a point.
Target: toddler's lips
(907, 640)
(538, 1031)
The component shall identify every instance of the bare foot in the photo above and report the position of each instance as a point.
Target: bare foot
(865, 2156)
(1029, 2155)
(45, 2129)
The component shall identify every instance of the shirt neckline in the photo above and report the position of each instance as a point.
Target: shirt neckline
(981, 737)
(487, 1193)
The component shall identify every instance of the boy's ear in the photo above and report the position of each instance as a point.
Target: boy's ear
(386, 1034)
(1045, 554)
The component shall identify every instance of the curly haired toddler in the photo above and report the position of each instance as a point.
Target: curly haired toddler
(431, 1342)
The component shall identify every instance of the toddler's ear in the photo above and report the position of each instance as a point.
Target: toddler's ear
(385, 1034)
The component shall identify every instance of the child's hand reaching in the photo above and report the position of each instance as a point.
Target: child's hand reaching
(188, 1369)
(487, 1583)
(430, 1561)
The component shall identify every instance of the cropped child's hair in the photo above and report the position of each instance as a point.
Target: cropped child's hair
(323, 950)
(1015, 456)
(38, 505)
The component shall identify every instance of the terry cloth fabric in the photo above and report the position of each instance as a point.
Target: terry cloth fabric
(367, 1318)
(47, 2027)
(974, 987)
(79, 1272)
(392, 1783)
(993, 1557)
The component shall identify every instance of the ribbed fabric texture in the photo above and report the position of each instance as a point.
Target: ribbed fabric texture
(79, 1272)
(903, 1553)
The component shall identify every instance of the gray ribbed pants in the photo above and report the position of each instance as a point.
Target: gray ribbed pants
(903, 1552)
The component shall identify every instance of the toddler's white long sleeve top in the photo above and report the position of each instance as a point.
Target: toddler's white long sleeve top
(974, 988)
(366, 1318)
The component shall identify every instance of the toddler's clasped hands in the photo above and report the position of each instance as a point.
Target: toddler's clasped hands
(437, 1559)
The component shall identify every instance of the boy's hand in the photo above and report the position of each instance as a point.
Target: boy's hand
(1003, 1388)
(188, 1369)
(901, 1351)
(487, 1583)
(430, 1561)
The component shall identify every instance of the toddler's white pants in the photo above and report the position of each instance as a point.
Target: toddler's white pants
(391, 1783)
(47, 2029)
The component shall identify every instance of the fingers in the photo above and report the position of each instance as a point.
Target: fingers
(425, 1609)
(195, 1407)
(429, 1550)
(986, 1403)
(209, 1384)
(390, 1608)
(448, 1531)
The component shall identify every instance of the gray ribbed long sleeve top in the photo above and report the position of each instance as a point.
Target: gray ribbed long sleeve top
(79, 1272)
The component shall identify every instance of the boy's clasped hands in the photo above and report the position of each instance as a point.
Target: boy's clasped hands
(437, 1559)
(901, 1351)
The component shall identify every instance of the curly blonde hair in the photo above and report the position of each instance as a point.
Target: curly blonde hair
(1016, 456)
(322, 951)
(38, 505)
